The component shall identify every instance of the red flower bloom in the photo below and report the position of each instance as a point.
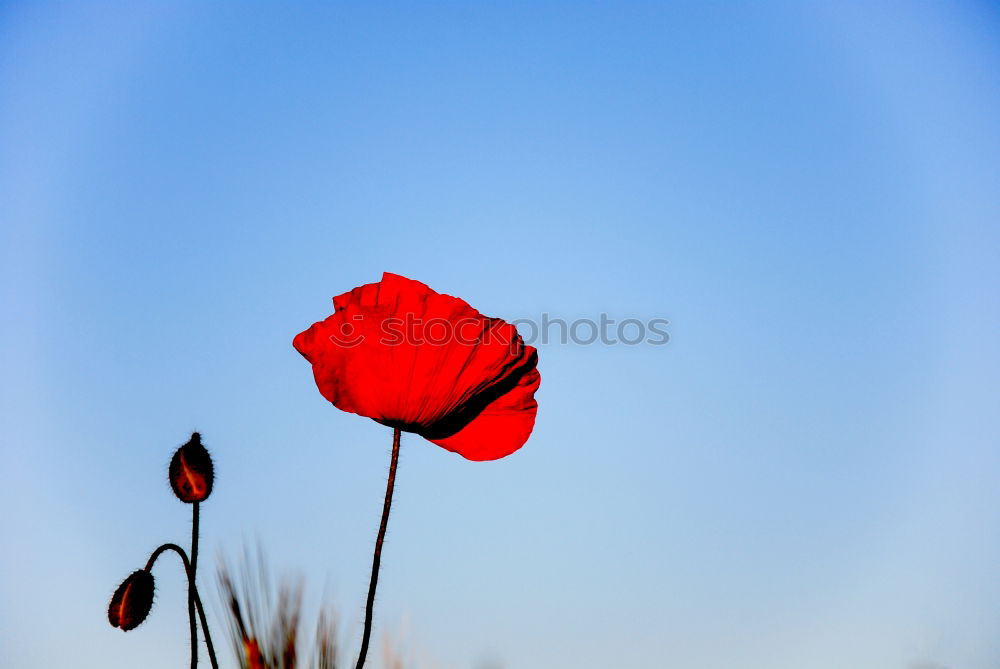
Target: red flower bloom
(410, 358)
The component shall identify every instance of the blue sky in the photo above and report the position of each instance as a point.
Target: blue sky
(806, 476)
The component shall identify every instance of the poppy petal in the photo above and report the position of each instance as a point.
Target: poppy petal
(502, 427)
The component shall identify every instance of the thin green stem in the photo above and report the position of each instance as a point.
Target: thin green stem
(197, 598)
(377, 557)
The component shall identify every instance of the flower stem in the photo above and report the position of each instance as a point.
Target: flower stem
(195, 518)
(197, 599)
(377, 557)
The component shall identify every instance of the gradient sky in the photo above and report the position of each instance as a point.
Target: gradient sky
(806, 477)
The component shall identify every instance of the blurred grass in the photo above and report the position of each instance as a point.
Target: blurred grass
(266, 627)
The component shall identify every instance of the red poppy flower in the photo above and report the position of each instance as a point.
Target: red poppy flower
(414, 359)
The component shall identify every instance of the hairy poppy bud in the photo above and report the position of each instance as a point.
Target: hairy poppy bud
(191, 472)
(132, 600)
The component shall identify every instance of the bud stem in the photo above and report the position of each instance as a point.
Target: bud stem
(193, 593)
(195, 517)
(377, 557)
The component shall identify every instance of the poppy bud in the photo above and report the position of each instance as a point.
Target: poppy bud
(132, 600)
(191, 472)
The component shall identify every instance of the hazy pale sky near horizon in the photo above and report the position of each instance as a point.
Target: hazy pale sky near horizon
(806, 477)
